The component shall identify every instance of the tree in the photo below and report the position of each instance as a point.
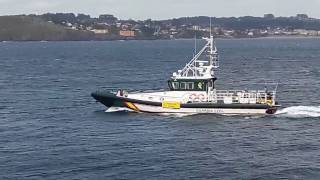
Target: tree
(269, 16)
(302, 16)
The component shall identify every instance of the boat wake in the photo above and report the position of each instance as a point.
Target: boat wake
(118, 109)
(290, 112)
(178, 115)
(299, 112)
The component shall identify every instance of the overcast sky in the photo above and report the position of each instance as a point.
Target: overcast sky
(163, 9)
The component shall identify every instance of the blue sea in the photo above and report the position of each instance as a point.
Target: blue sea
(50, 127)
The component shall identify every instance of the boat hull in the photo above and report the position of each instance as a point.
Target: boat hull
(111, 100)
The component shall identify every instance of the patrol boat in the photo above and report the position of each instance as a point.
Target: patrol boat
(192, 91)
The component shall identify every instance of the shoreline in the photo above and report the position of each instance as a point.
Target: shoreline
(123, 40)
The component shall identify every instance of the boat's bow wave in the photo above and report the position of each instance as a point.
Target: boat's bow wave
(118, 109)
(177, 115)
(300, 112)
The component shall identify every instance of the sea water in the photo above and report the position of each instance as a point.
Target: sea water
(50, 127)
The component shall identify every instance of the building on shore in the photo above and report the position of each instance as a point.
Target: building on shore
(100, 31)
(127, 33)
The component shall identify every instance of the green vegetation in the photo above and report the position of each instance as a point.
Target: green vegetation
(71, 27)
(30, 28)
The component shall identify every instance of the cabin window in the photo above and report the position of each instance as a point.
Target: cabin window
(199, 85)
(175, 85)
(182, 85)
(190, 85)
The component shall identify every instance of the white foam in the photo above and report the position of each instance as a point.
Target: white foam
(299, 111)
(118, 109)
(178, 115)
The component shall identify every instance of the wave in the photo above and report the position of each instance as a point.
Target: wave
(300, 112)
(290, 112)
(178, 115)
(118, 109)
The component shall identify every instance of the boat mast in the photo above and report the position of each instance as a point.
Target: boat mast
(203, 64)
(195, 44)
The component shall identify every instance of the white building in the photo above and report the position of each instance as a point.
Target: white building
(100, 31)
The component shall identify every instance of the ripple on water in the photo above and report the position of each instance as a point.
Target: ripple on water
(50, 127)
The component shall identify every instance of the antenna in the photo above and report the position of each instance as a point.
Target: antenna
(210, 27)
(195, 43)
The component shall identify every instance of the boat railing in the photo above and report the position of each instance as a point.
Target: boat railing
(216, 96)
(244, 96)
(115, 90)
(162, 98)
(146, 94)
(219, 96)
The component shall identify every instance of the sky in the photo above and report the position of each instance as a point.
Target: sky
(163, 9)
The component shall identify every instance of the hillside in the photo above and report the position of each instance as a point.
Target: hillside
(249, 22)
(72, 27)
(30, 28)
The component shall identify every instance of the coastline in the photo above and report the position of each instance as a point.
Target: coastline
(160, 39)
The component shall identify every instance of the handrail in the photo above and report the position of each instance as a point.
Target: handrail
(216, 91)
(237, 96)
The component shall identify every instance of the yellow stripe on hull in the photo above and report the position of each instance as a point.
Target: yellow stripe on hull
(132, 106)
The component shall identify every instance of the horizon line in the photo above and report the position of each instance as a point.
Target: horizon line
(171, 18)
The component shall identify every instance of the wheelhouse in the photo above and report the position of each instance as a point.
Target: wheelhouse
(191, 84)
